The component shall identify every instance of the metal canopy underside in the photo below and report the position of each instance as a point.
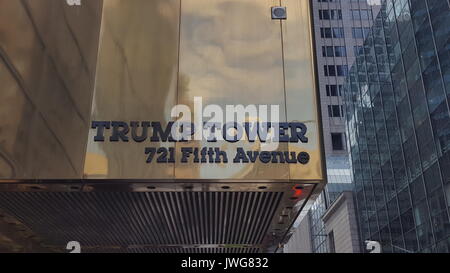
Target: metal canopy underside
(152, 221)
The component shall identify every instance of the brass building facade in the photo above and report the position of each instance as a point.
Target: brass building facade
(64, 67)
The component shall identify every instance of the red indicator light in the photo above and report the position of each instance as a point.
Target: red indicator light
(297, 191)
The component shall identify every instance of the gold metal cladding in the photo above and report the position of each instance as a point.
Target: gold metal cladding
(301, 95)
(136, 81)
(231, 54)
(156, 55)
(151, 57)
(47, 67)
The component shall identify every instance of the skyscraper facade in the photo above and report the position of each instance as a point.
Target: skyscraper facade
(397, 107)
(340, 27)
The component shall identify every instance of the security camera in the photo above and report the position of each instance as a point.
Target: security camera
(373, 246)
(279, 13)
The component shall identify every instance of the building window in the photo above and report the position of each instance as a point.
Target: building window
(338, 70)
(329, 1)
(342, 70)
(338, 32)
(327, 51)
(358, 50)
(339, 51)
(337, 141)
(333, 90)
(360, 32)
(329, 70)
(366, 31)
(334, 14)
(363, 14)
(335, 111)
(325, 32)
(366, 14)
(334, 51)
(324, 14)
(357, 32)
(335, 32)
(355, 14)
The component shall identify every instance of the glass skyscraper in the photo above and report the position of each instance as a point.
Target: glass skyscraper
(340, 27)
(398, 119)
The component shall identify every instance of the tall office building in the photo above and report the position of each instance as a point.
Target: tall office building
(397, 98)
(340, 28)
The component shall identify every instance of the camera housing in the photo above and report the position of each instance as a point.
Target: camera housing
(279, 13)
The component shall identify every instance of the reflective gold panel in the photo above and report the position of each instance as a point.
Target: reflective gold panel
(231, 54)
(301, 95)
(66, 68)
(48, 56)
(136, 81)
